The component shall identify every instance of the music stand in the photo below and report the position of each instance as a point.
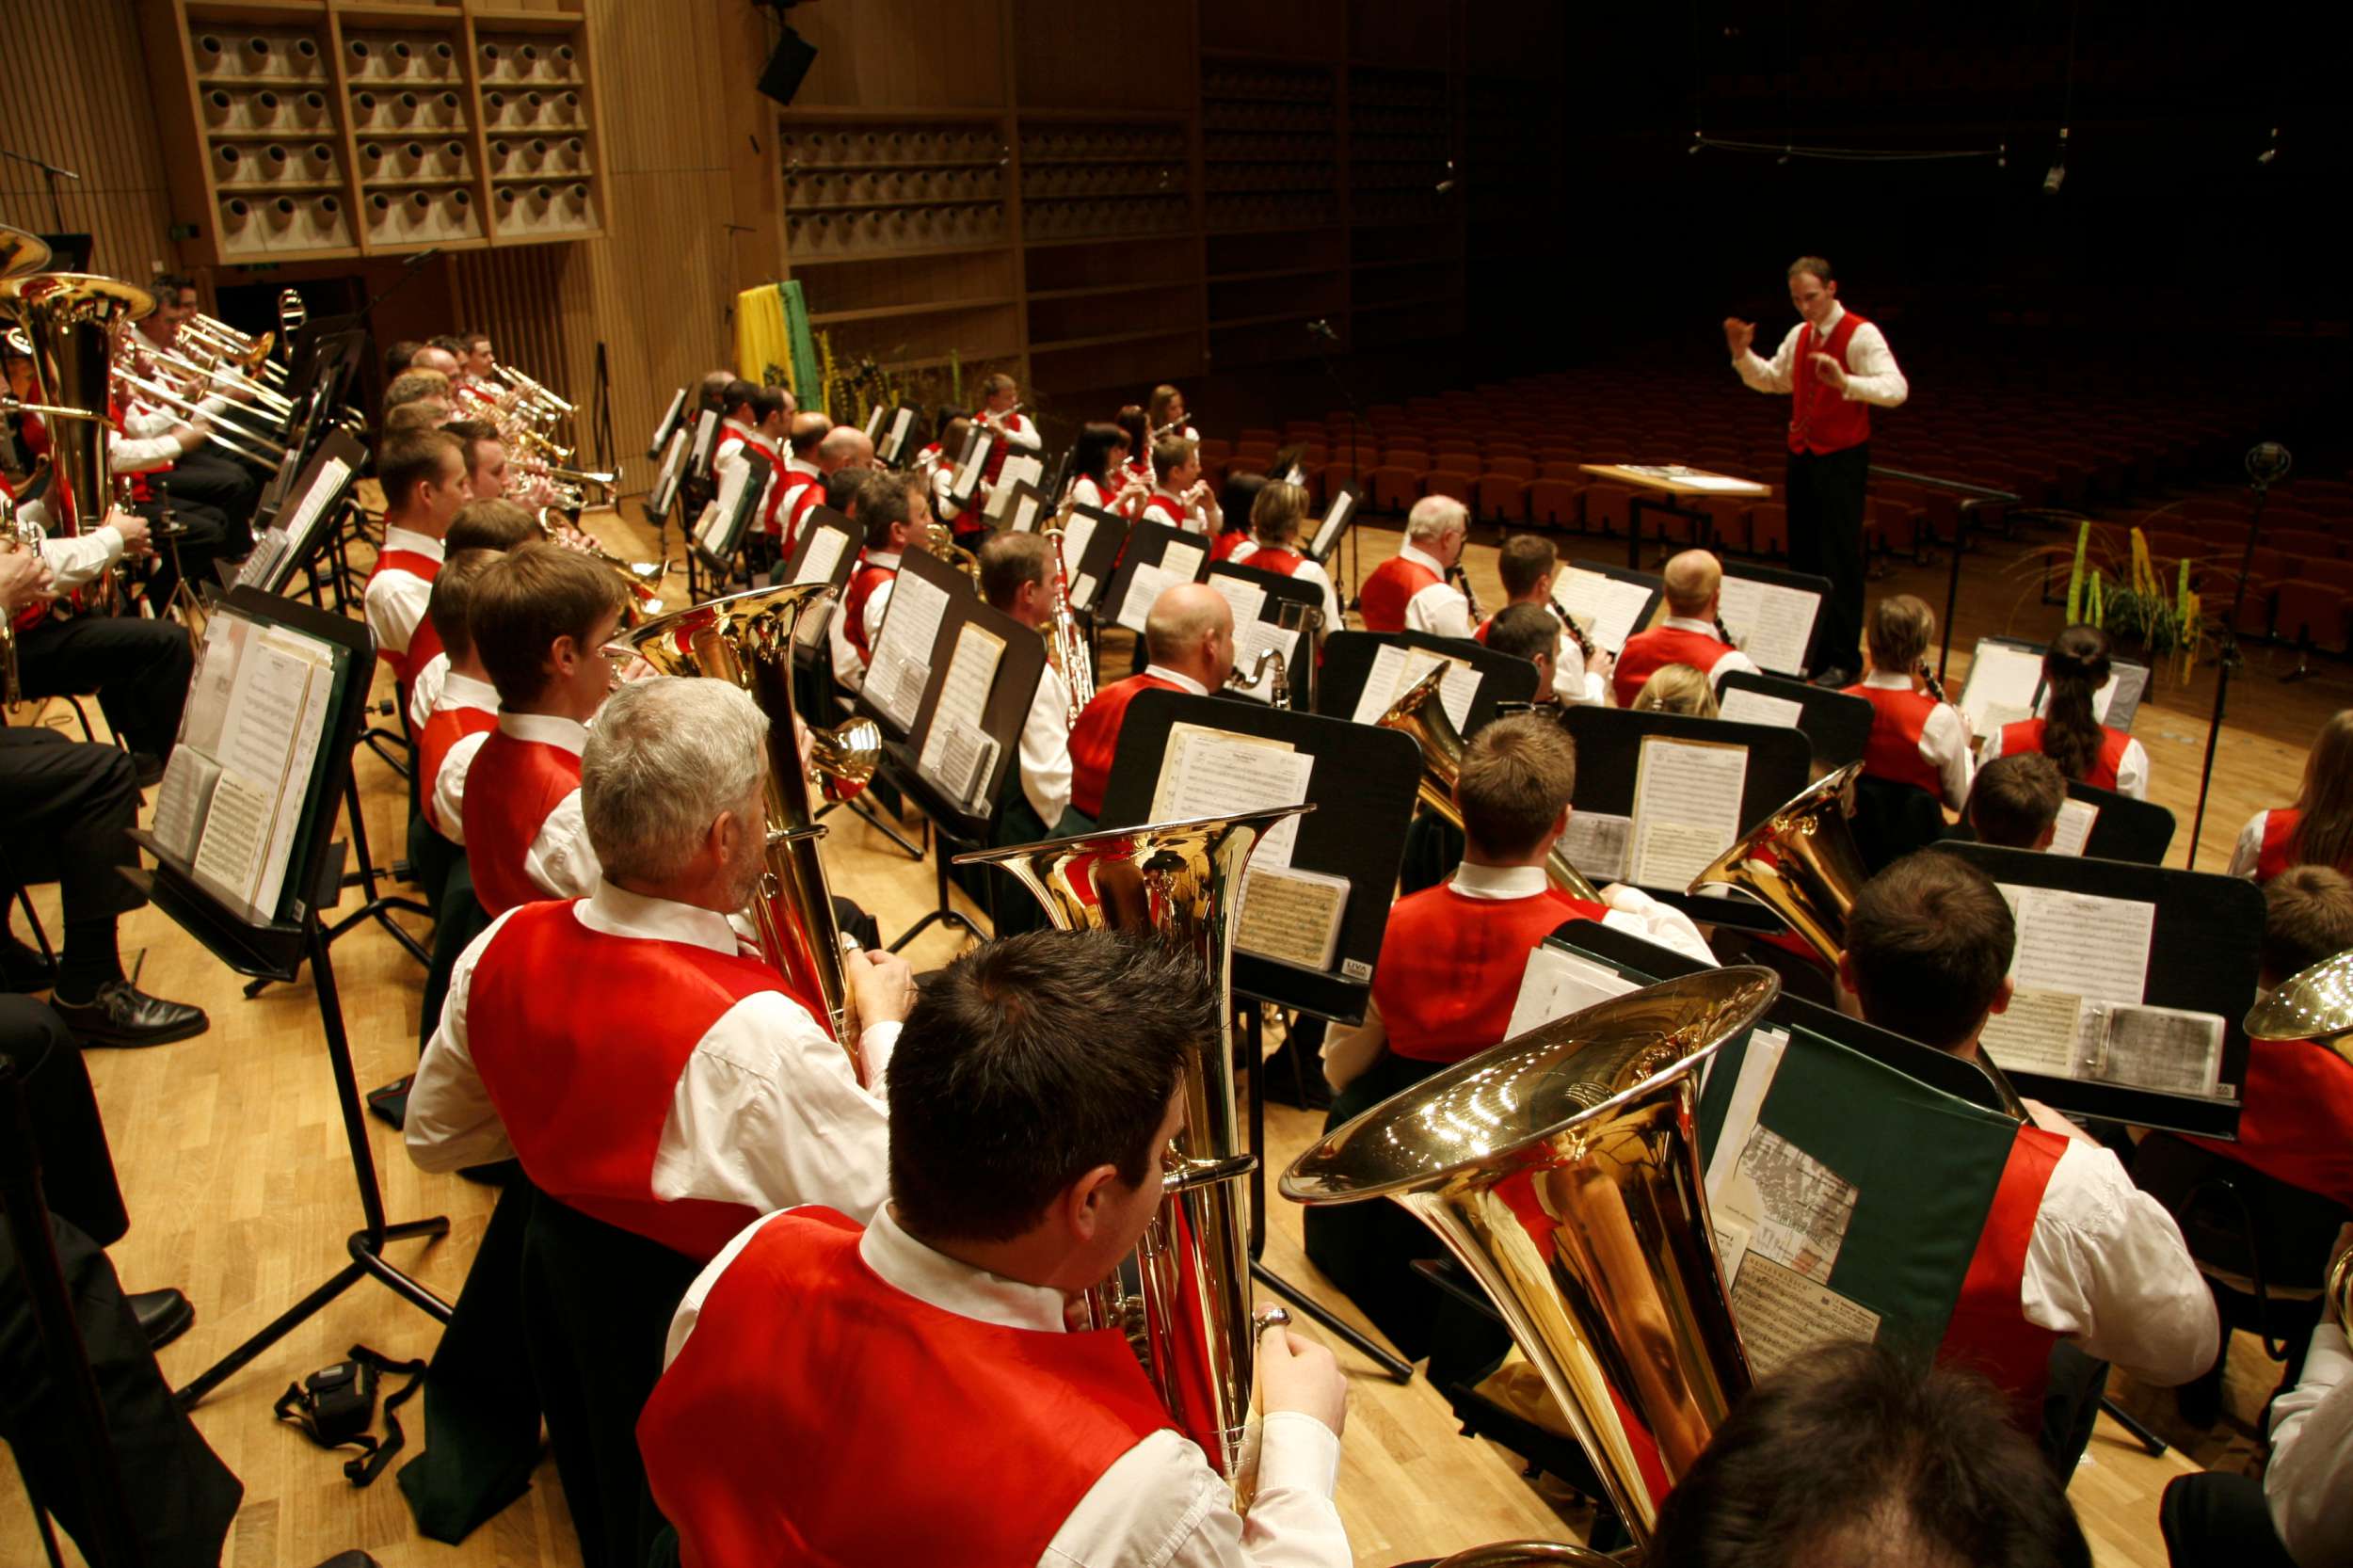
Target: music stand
(1783, 598)
(1017, 506)
(295, 533)
(891, 450)
(671, 418)
(718, 538)
(1096, 562)
(1298, 667)
(925, 568)
(1363, 787)
(1613, 610)
(2139, 831)
(1349, 658)
(1150, 544)
(1839, 725)
(2204, 955)
(1338, 514)
(276, 950)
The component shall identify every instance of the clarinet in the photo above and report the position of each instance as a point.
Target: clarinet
(1568, 624)
(1460, 579)
(1927, 677)
(1723, 633)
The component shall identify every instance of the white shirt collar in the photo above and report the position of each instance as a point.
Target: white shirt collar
(1686, 623)
(1887, 680)
(617, 912)
(1498, 882)
(546, 729)
(887, 560)
(934, 1277)
(1173, 678)
(1823, 331)
(1420, 557)
(464, 691)
(739, 428)
(398, 537)
(797, 466)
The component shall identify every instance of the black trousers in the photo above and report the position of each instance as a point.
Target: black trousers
(139, 668)
(77, 1169)
(69, 807)
(2218, 1521)
(204, 540)
(221, 482)
(1825, 497)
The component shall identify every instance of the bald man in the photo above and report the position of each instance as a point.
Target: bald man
(1189, 636)
(431, 358)
(1688, 636)
(804, 482)
(844, 446)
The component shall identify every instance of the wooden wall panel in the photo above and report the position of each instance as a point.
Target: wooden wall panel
(1083, 54)
(78, 97)
(902, 54)
(1311, 29)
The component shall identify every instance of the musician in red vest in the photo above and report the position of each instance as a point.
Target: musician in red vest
(423, 477)
(1180, 498)
(1835, 365)
(1691, 633)
(2014, 802)
(644, 1066)
(992, 1432)
(753, 420)
(1189, 638)
(1409, 591)
(1018, 576)
(2318, 829)
(1528, 565)
(2075, 668)
(803, 482)
(2072, 1251)
(497, 526)
(465, 710)
(1009, 429)
(541, 617)
(892, 510)
(1272, 546)
(1915, 738)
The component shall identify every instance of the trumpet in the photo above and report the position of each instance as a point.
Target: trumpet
(222, 371)
(532, 390)
(643, 577)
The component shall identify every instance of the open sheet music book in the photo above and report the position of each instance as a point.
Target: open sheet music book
(1396, 669)
(286, 543)
(902, 648)
(1608, 608)
(1287, 913)
(1772, 623)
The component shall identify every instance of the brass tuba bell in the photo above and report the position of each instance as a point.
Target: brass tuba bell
(71, 319)
(1420, 714)
(2314, 1004)
(1801, 863)
(1561, 1169)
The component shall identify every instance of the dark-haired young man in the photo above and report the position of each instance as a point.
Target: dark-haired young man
(992, 1432)
(892, 510)
(1527, 563)
(2072, 1251)
(2015, 801)
(425, 484)
(1528, 632)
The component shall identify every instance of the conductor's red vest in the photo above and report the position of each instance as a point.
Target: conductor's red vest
(510, 790)
(2295, 1107)
(1648, 652)
(2026, 735)
(580, 1038)
(750, 1455)
(1450, 967)
(1821, 418)
(442, 730)
(1893, 751)
(863, 582)
(1389, 587)
(1095, 739)
(1989, 1332)
(423, 642)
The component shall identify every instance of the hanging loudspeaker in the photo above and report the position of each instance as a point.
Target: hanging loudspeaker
(791, 62)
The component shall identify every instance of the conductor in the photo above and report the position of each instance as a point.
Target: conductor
(1835, 365)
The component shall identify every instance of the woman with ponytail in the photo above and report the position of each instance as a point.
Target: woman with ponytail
(2318, 829)
(2070, 734)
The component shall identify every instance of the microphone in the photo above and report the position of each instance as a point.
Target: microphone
(2268, 463)
(422, 257)
(1322, 328)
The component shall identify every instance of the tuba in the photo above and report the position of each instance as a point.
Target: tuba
(748, 638)
(1561, 1168)
(1420, 714)
(1182, 882)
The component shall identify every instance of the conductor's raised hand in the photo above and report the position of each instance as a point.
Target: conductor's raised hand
(1738, 334)
(1829, 371)
(884, 985)
(1299, 1374)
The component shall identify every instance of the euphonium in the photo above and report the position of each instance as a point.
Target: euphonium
(1072, 655)
(2314, 1004)
(748, 638)
(1561, 1168)
(938, 543)
(1182, 882)
(1421, 716)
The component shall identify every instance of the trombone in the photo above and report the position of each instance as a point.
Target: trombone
(217, 425)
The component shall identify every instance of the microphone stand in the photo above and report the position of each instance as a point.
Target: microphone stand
(49, 173)
(1320, 330)
(2265, 466)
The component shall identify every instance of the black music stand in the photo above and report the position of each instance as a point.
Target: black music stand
(1017, 506)
(1339, 517)
(1300, 671)
(1348, 659)
(891, 448)
(1363, 790)
(1839, 725)
(948, 580)
(1148, 544)
(822, 523)
(1097, 565)
(2204, 955)
(718, 544)
(277, 950)
(1794, 582)
(1650, 582)
(969, 824)
(2139, 831)
(303, 525)
(671, 417)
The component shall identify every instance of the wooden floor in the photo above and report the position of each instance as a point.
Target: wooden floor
(232, 1156)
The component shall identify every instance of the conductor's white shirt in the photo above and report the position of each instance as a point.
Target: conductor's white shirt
(1161, 1505)
(1871, 374)
(767, 1111)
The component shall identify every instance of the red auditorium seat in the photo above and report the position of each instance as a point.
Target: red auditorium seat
(1898, 524)
(1727, 519)
(1556, 503)
(1258, 436)
(2301, 541)
(1446, 481)
(1606, 508)
(1215, 451)
(1503, 495)
(1248, 462)
(1397, 482)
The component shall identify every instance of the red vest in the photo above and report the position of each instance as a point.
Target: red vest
(2295, 1112)
(1389, 589)
(1450, 967)
(1989, 1332)
(863, 582)
(580, 1038)
(1228, 543)
(1275, 558)
(423, 642)
(2026, 735)
(977, 1441)
(998, 448)
(1822, 419)
(510, 790)
(1893, 752)
(1095, 739)
(2282, 849)
(799, 501)
(1161, 509)
(1648, 652)
(444, 729)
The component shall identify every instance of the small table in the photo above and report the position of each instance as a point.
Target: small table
(1673, 481)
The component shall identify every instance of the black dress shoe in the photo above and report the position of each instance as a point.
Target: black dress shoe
(123, 1015)
(163, 1315)
(1835, 678)
(23, 968)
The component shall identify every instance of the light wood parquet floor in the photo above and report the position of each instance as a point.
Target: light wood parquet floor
(231, 1154)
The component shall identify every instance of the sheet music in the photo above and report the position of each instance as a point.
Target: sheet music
(1255, 638)
(1394, 670)
(269, 551)
(825, 546)
(2117, 698)
(1183, 561)
(670, 420)
(1216, 773)
(2038, 1032)
(2165, 1048)
(910, 628)
(1083, 591)
(873, 422)
(1783, 1315)
(968, 473)
(1686, 807)
(1291, 915)
(1557, 984)
(1746, 706)
(309, 730)
(710, 528)
(237, 832)
(901, 422)
(1596, 844)
(1019, 469)
(706, 428)
(1608, 608)
(1244, 599)
(214, 682)
(1770, 623)
(963, 692)
(1715, 482)
(327, 486)
(182, 800)
(1075, 536)
(960, 757)
(2003, 680)
(2081, 943)
(1024, 505)
(2074, 827)
(1328, 531)
(665, 487)
(1144, 587)
(1759, 1064)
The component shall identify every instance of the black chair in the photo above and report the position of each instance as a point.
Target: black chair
(462, 918)
(1892, 820)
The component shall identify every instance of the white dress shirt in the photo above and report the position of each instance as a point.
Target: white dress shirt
(2309, 1481)
(1046, 767)
(1571, 680)
(1306, 571)
(149, 439)
(1182, 681)
(733, 466)
(1161, 1505)
(849, 666)
(1725, 663)
(2250, 848)
(1943, 739)
(2107, 1267)
(396, 599)
(1871, 373)
(424, 691)
(561, 861)
(1165, 507)
(767, 1111)
(449, 785)
(1439, 609)
(76, 559)
(1013, 432)
(1349, 1049)
(2132, 772)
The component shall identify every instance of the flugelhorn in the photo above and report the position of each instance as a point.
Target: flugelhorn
(1420, 714)
(934, 540)
(1182, 882)
(643, 577)
(2315, 1004)
(1561, 1168)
